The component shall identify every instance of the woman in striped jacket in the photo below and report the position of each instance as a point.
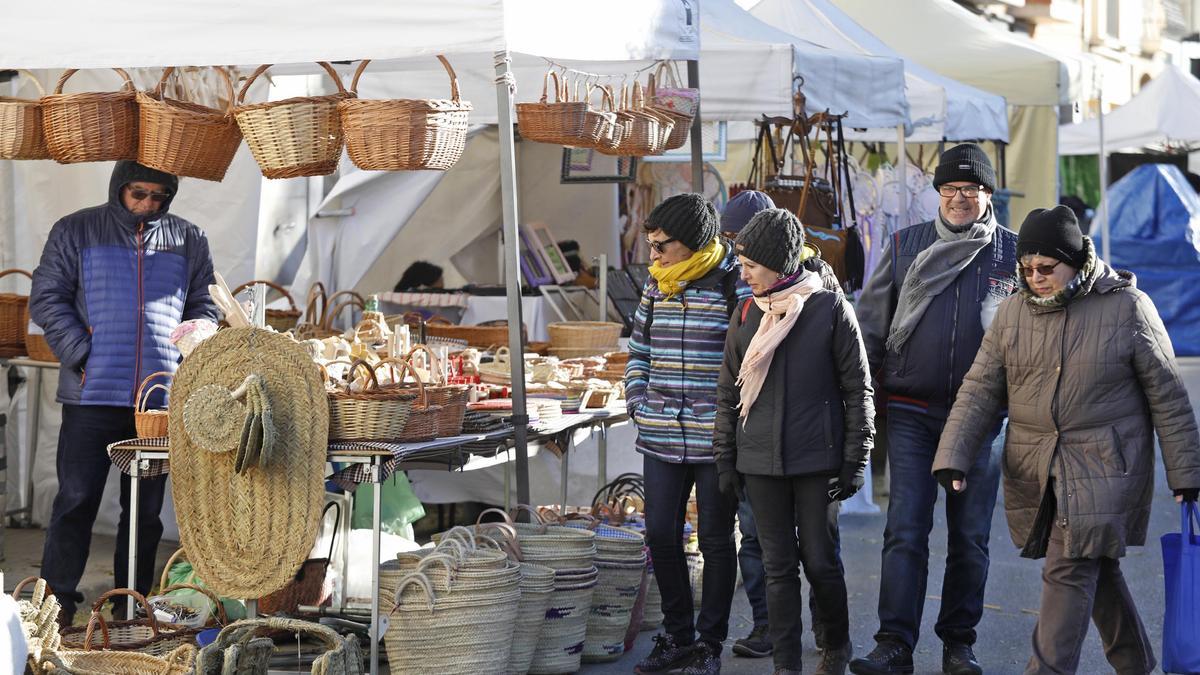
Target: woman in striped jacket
(671, 387)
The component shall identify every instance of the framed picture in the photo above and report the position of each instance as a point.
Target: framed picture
(552, 256)
(532, 267)
(584, 165)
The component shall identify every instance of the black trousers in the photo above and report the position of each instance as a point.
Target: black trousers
(83, 467)
(797, 525)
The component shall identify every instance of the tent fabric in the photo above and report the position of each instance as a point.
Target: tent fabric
(948, 39)
(1162, 113)
(1155, 228)
(1031, 160)
(941, 108)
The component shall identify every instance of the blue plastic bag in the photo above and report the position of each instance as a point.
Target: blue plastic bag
(1181, 567)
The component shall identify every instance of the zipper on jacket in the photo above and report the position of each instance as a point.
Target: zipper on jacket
(1063, 497)
(141, 292)
(953, 343)
(682, 368)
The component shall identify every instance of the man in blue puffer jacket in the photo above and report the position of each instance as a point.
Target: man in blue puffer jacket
(113, 283)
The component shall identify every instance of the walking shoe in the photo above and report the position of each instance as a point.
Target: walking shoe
(666, 655)
(959, 659)
(756, 645)
(706, 660)
(834, 661)
(888, 657)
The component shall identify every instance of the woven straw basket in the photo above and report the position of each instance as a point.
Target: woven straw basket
(146, 635)
(405, 134)
(91, 127)
(563, 122)
(299, 136)
(21, 135)
(14, 319)
(150, 423)
(596, 337)
(180, 661)
(186, 139)
(372, 415)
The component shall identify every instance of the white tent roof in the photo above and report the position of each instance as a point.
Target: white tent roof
(941, 107)
(948, 39)
(1163, 112)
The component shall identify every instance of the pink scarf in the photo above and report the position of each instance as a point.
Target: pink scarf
(780, 311)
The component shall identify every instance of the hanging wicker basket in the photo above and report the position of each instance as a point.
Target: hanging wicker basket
(150, 423)
(299, 136)
(562, 122)
(93, 126)
(282, 320)
(186, 139)
(405, 134)
(21, 135)
(14, 319)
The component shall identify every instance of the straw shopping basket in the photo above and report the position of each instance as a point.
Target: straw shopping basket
(405, 134)
(146, 635)
(21, 135)
(282, 320)
(150, 423)
(183, 138)
(14, 319)
(180, 661)
(91, 127)
(299, 136)
(374, 414)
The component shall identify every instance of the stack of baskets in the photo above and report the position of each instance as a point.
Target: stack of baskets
(373, 414)
(573, 339)
(14, 319)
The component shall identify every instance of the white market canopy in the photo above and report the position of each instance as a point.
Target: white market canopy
(1165, 112)
(941, 108)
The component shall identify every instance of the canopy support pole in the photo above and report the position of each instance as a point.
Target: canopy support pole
(903, 170)
(1102, 211)
(697, 138)
(505, 84)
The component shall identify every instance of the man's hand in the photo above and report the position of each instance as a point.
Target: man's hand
(731, 484)
(952, 480)
(1187, 495)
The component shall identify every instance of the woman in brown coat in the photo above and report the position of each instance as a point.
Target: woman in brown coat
(1084, 365)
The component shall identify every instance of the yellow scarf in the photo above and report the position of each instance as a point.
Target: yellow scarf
(672, 280)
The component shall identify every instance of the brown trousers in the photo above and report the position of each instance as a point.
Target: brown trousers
(1074, 591)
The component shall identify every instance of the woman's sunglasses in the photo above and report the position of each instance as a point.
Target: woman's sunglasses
(139, 194)
(660, 246)
(1044, 270)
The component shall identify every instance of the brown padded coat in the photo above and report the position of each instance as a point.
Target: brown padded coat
(1086, 386)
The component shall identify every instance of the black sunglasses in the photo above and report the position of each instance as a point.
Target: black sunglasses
(660, 246)
(1044, 270)
(139, 194)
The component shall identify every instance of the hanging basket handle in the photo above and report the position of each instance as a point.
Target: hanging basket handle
(14, 270)
(263, 68)
(454, 95)
(143, 394)
(34, 79)
(71, 71)
(162, 82)
(282, 291)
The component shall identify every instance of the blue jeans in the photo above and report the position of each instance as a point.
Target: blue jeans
(667, 489)
(912, 443)
(750, 555)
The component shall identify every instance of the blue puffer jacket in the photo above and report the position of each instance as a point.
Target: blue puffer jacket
(110, 288)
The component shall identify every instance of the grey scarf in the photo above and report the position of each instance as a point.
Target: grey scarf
(934, 270)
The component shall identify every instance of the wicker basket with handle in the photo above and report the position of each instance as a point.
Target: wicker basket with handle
(451, 397)
(21, 135)
(423, 420)
(374, 414)
(405, 134)
(180, 661)
(186, 139)
(299, 136)
(147, 635)
(14, 319)
(282, 320)
(92, 126)
(150, 423)
(562, 122)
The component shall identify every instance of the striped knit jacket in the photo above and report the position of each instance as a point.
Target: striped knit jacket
(675, 355)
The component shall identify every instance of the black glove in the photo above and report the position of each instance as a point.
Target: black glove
(1188, 494)
(946, 478)
(731, 483)
(849, 482)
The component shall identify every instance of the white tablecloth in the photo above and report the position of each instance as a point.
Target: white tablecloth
(534, 313)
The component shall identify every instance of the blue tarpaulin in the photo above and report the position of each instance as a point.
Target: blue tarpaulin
(1155, 216)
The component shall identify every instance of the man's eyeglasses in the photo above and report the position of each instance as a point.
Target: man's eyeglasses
(139, 194)
(1044, 270)
(660, 246)
(968, 191)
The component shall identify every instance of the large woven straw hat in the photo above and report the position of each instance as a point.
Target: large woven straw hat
(247, 533)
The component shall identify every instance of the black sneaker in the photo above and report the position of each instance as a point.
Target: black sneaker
(666, 655)
(888, 657)
(706, 660)
(959, 659)
(756, 645)
(834, 661)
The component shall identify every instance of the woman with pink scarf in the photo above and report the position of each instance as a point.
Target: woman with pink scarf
(794, 429)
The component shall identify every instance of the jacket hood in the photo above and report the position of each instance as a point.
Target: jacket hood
(126, 172)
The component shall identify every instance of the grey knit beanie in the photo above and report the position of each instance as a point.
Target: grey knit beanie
(773, 238)
(688, 218)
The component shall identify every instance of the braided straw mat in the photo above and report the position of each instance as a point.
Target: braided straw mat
(247, 534)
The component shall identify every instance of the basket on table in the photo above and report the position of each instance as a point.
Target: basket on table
(150, 422)
(282, 320)
(583, 338)
(405, 134)
(14, 319)
(300, 136)
(452, 397)
(92, 126)
(185, 138)
(483, 335)
(563, 122)
(146, 635)
(21, 134)
(374, 414)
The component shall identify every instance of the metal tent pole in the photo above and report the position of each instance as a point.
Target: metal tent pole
(505, 85)
(693, 76)
(1102, 210)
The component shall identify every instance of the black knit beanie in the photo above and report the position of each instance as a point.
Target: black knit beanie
(1053, 233)
(773, 238)
(688, 218)
(966, 162)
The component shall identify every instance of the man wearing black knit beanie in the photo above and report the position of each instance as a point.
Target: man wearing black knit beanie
(923, 315)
